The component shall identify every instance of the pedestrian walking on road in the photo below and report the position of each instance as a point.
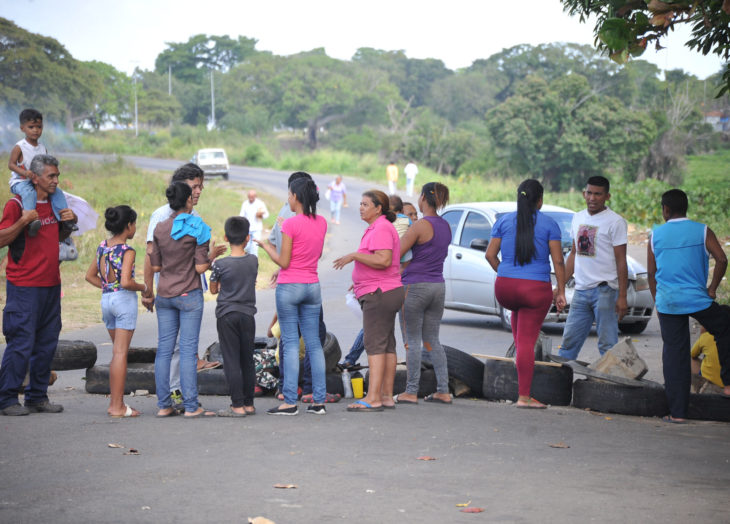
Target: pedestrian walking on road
(527, 239)
(391, 173)
(377, 285)
(411, 170)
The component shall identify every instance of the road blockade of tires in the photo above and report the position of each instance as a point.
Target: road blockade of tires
(645, 399)
(73, 354)
(551, 383)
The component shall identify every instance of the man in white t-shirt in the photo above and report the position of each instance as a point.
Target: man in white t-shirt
(598, 262)
(411, 170)
(255, 211)
(193, 176)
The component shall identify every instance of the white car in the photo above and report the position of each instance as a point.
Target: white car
(470, 279)
(212, 162)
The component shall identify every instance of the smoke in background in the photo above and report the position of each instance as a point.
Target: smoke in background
(55, 137)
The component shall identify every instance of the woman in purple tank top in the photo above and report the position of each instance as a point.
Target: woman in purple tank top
(423, 279)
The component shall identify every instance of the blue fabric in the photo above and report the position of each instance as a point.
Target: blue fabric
(27, 193)
(181, 314)
(185, 224)
(31, 324)
(546, 229)
(682, 267)
(299, 306)
(597, 305)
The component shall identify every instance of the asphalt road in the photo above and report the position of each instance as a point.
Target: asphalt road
(357, 466)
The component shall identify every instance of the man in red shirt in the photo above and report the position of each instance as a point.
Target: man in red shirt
(32, 314)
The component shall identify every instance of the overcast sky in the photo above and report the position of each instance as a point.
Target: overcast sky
(129, 33)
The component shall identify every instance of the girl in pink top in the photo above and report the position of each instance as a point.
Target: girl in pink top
(377, 285)
(298, 295)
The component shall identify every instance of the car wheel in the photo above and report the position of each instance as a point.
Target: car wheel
(634, 328)
(505, 315)
(551, 384)
(225, 176)
(73, 354)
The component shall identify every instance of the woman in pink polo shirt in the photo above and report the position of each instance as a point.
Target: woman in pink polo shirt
(377, 285)
(298, 295)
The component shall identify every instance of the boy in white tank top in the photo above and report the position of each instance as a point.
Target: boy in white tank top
(31, 123)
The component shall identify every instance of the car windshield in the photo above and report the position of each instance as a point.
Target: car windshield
(564, 219)
(212, 155)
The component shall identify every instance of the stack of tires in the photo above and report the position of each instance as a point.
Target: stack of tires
(73, 354)
(141, 369)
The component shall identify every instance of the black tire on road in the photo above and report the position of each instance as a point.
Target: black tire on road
(709, 407)
(139, 376)
(332, 353)
(426, 386)
(334, 384)
(141, 355)
(633, 328)
(645, 401)
(466, 368)
(551, 384)
(73, 354)
(213, 382)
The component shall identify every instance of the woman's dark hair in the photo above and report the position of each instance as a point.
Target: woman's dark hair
(306, 192)
(381, 199)
(396, 203)
(118, 218)
(435, 194)
(177, 195)
(529, 194)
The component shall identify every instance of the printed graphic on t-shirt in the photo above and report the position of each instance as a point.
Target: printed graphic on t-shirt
(585, 244)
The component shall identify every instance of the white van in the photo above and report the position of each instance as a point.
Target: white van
(212, 162)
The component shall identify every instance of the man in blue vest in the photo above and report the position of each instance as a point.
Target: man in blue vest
(678, 260)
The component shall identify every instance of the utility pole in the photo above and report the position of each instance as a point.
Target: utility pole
(136, 122)
(212, 101)
(169, 80)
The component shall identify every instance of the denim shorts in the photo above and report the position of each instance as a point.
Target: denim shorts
(119, 309)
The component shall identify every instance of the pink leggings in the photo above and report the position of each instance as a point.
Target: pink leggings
(529, 301)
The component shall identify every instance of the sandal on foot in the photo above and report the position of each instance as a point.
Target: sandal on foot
(361, 405)
(435, 399)
(250, 410)
(173, 413)
(532, 404)
(398, 400)
(207, 365)
(672, 420)
(128, 412)
(228, 412)
(203, 413)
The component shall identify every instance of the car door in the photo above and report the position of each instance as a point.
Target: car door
(453, 218)
(472, 279)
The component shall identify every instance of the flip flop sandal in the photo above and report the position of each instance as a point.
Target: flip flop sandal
(202, 414)
(208, 365)
(230, 413)
(399, 401)
(366, 407)
(670, 420)
(532, 404)
(128, 413)
(436, 400)
(173, 413)
(250, 412)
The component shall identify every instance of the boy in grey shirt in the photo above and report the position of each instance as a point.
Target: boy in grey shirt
(233, 279)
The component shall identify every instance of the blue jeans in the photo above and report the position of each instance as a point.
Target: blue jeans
(26, 190)
(181, 314)
(356, 350)
(298, 307)
(589, 305)
(119, 309)
(335, 208)
(31, 324)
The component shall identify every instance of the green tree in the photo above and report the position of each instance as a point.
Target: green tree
(624, 28)
(113, 102)
(37, 71)
(563, 132)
